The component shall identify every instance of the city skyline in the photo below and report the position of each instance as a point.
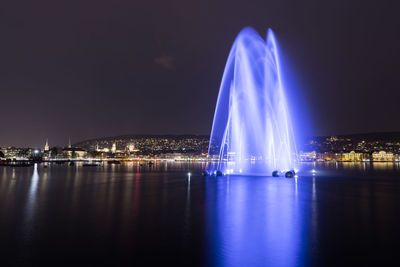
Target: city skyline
(342, 145)
(46, 141)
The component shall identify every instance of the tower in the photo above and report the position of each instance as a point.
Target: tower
(46, 146)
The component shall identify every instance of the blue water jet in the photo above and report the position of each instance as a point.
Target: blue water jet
(252, 132)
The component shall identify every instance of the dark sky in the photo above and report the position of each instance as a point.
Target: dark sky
(88, 69)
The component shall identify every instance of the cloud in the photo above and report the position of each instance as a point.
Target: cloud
(165, 62)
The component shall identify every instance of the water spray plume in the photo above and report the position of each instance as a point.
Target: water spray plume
(251, 132)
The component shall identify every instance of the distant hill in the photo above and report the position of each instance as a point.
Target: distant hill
(151, 142)
(199, 143)
(140, 136)
(378, 136)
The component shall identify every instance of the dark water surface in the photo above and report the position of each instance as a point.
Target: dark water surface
(344, 214)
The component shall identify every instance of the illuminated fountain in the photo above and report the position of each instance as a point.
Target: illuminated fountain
(251, 132)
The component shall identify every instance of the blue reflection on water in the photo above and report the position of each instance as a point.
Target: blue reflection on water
(256, 222)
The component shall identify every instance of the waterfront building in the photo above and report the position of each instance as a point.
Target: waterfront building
(352, 156)
(308, 156)
(102, 150)
(74, 152)
(382, 156)
(17, 153)
(326, 156)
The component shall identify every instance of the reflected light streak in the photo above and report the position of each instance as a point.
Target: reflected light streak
(257, 222)
(31, 202)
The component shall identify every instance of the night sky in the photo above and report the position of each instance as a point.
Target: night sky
(89, 69)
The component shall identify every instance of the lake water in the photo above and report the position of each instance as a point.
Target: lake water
(344, 214)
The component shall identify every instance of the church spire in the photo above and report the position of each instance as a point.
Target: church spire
(46, 146)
